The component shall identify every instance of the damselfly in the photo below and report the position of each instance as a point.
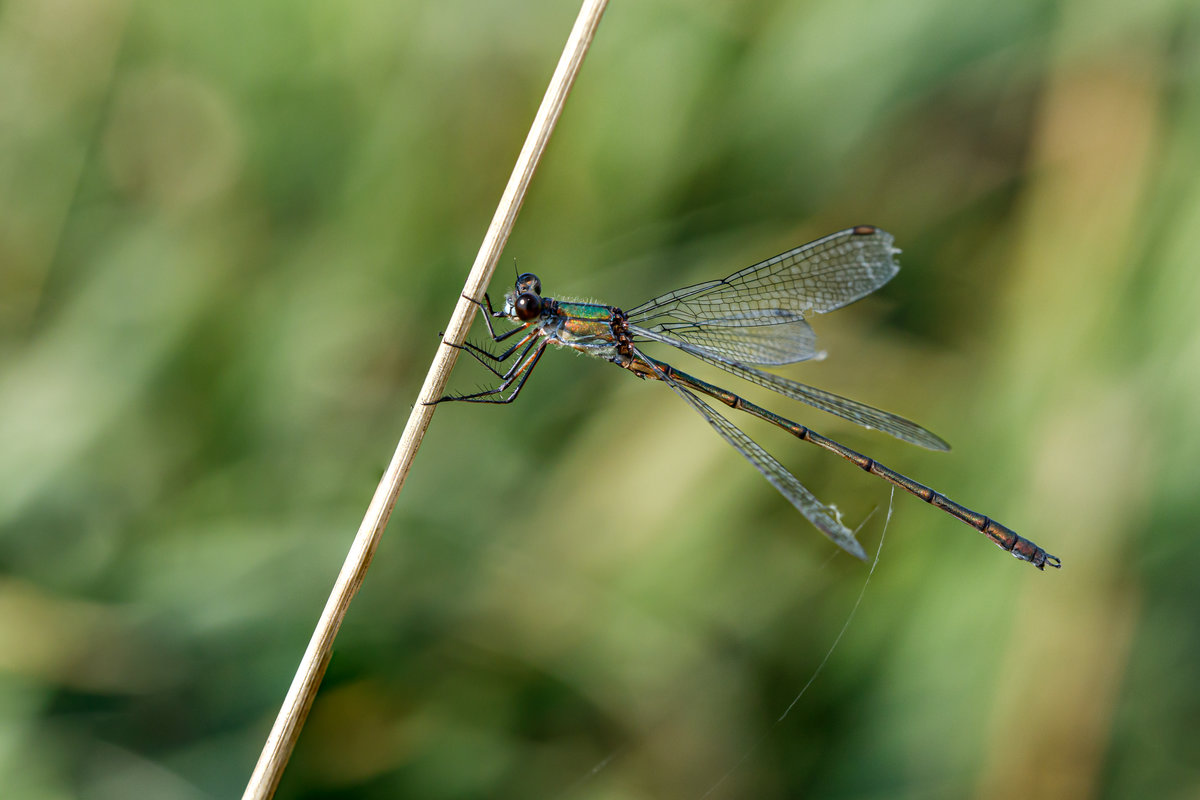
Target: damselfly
(757, 316)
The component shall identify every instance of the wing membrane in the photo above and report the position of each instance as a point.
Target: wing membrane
(769, 342)
(824, 517)
(852, 410)
(775, 295)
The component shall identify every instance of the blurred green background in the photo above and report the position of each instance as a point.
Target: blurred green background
(230, 233)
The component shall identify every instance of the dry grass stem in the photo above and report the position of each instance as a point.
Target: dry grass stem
(308, 676)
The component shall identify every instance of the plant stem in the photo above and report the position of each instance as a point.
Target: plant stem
(286, 730)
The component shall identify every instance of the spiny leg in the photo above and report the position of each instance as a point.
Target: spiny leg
(521, 373)
(486, 307)
(478, 352)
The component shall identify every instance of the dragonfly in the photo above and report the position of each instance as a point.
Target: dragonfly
(756, 317)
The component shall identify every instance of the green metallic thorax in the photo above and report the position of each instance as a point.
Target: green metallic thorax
(582, 311)
(582, 326)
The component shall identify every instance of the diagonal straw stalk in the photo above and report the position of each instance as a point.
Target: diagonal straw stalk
(286, 730)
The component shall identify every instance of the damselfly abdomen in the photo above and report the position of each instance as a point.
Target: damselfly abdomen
(757, 316)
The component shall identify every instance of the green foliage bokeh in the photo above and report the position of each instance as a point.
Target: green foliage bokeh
(230, 233)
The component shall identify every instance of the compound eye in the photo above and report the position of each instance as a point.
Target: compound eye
(528, 282)
(528, 306)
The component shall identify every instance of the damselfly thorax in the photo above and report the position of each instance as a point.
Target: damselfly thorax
(756, 316)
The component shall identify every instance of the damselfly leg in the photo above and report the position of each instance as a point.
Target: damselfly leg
(480, 353)
(756, 316)
(520, 372)
(488, 314)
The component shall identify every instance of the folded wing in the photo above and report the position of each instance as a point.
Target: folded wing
(757, 315)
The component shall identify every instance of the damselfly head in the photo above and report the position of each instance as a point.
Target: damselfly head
(527, 306)
(524, 301)
(528, 282)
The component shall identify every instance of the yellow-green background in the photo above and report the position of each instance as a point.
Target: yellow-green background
(230, 233)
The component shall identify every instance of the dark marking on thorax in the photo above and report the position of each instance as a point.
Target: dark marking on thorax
(624, 339)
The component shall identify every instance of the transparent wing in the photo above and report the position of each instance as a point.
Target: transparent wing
(764, 342)
(775, 296)
(852, 410)
(824, 517)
